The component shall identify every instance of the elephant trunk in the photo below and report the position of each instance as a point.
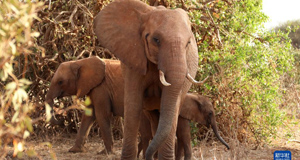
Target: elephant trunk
(49, 100)
(167, 120)
(175, 70)
(215, 129)
(53, 120)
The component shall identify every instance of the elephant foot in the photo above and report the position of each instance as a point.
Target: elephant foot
(76, 149)
(104, 152)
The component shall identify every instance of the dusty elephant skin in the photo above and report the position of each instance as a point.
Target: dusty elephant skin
(196, 108)
(102, 81)
(158, 52)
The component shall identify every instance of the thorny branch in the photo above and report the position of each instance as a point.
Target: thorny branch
(216, 27)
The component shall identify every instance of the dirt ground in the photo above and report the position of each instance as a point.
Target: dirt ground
(204, 151)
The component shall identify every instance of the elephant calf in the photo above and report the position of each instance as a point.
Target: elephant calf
(196, 108)
(102, 81)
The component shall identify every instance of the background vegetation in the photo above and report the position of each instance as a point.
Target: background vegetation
(253, 75)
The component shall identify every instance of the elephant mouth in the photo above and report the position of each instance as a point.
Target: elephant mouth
(60, 95)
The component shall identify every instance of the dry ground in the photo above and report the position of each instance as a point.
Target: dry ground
(205, 151)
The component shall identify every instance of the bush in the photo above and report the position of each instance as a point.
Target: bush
(246, 64)
(16, 39)
(291, 27)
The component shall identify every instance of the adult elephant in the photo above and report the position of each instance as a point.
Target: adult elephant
(159, 54)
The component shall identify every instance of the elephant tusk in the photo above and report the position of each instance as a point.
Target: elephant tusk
(191, 79)
(162, 78)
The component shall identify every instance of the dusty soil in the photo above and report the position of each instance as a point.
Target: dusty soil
(211, 150)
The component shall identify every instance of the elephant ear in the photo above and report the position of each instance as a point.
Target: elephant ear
(90, 73)
(192, 56)
(118, 28)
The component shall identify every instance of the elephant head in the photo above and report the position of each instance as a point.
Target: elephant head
(199, 109)
(75, 78)
(142, 36)
(138, 34)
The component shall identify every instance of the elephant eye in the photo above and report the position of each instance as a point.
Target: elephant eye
(189, 42)
(60, 82)
(156, 40)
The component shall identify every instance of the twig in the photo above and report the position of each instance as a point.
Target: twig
(227, 2)
(207, 2)
(82, 53)
(293, 140)
(201, 153)
(71, 17)
(216, 27)
(84, 8)
(60, 14)
(193, 8)
(49, 4)
(258, 38)
(4, 61)
(203, 18)
(183, 6)
(297, 96)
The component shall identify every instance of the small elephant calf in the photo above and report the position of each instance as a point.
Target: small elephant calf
(195, 107)
(102, 81)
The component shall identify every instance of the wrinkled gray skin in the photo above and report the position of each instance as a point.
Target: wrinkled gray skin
(148, 41)
(102, 81)
(196, 108)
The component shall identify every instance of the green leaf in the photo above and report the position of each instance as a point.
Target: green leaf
(31, 152)
(28, 124)
(48, 112)
(25, 81)
(87, 101)
(15, 117)
(13, 47)
(19, 97)
(11, 86)
(88, 111)
(26, 134)
(20, 154)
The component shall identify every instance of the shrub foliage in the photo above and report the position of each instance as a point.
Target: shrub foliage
(16, 39)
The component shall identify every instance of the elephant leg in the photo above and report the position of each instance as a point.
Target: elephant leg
(184, 139)
(146, 135)
(106, 133)
(153, 117)
(84, 129)
(104, 121)
(103, 114)
(133, 103)
(179, 149)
